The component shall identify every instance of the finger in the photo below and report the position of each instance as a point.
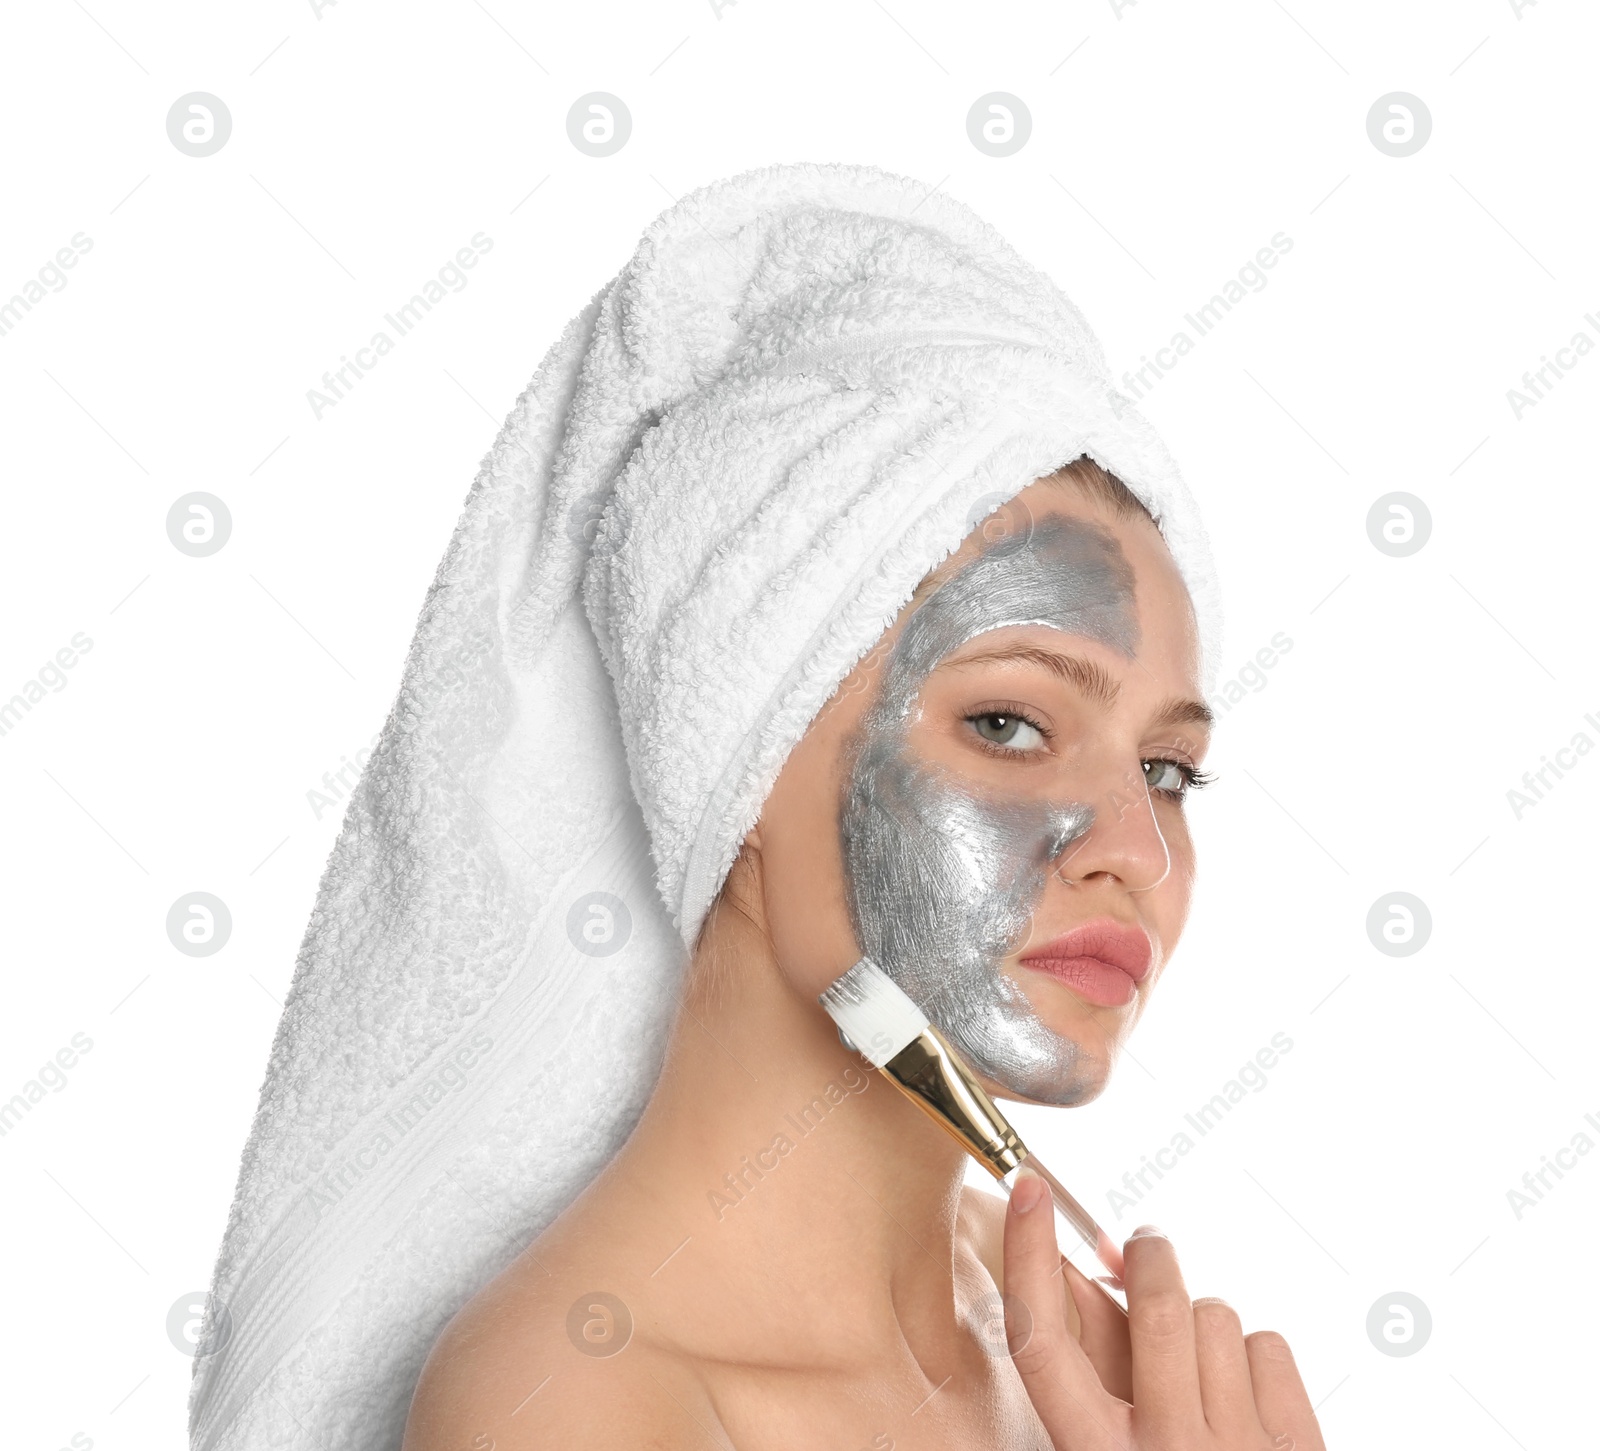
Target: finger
(1166, 1379)
(1058, 1376)
(1104, 1336)
(1282, 1404)
(1225, 1386)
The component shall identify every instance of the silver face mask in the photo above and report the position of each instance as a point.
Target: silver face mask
(944, 876)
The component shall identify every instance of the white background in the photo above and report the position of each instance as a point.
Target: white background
(1169, 143)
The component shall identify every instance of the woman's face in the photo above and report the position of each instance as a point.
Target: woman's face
(991, 805)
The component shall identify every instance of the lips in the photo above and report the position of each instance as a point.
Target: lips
(1102, 961)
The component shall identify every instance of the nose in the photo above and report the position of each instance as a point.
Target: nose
(1125, 844)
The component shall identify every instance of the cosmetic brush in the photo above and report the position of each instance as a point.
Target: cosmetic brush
(892, 1033)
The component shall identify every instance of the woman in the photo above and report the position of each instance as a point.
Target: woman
(804, 1268)
(820, 597)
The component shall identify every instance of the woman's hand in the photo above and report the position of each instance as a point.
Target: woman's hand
(1175, 1376)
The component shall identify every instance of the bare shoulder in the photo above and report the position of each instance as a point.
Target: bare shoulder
(526, 1364)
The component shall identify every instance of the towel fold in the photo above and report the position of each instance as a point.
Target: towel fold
(725, 479)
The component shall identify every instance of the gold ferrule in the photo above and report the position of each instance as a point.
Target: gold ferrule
(931, 1074)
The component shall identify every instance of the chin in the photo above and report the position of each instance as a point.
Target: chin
(1069, 1086)
(1097, 1035)
(1072, 1094)
(1096, 1032)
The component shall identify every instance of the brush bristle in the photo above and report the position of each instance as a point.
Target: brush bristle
(872, 1012)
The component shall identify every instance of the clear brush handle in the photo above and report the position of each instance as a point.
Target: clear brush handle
(1082, 1242)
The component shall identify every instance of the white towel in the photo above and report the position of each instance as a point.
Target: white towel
(722, 484)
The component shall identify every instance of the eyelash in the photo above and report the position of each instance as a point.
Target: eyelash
(1007, 708)
(1194, 779)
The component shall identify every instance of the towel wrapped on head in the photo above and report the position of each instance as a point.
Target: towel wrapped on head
(727, 476)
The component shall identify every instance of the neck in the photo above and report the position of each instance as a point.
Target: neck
(793, 1169)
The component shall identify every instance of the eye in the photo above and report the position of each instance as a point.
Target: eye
(1009, 730)
(1173, 779)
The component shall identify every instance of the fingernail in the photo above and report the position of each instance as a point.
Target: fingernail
(1147, 1231)
(1028, 1191)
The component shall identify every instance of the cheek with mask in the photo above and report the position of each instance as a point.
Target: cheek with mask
(944, 873)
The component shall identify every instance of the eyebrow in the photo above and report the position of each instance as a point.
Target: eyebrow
(1093, 681)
